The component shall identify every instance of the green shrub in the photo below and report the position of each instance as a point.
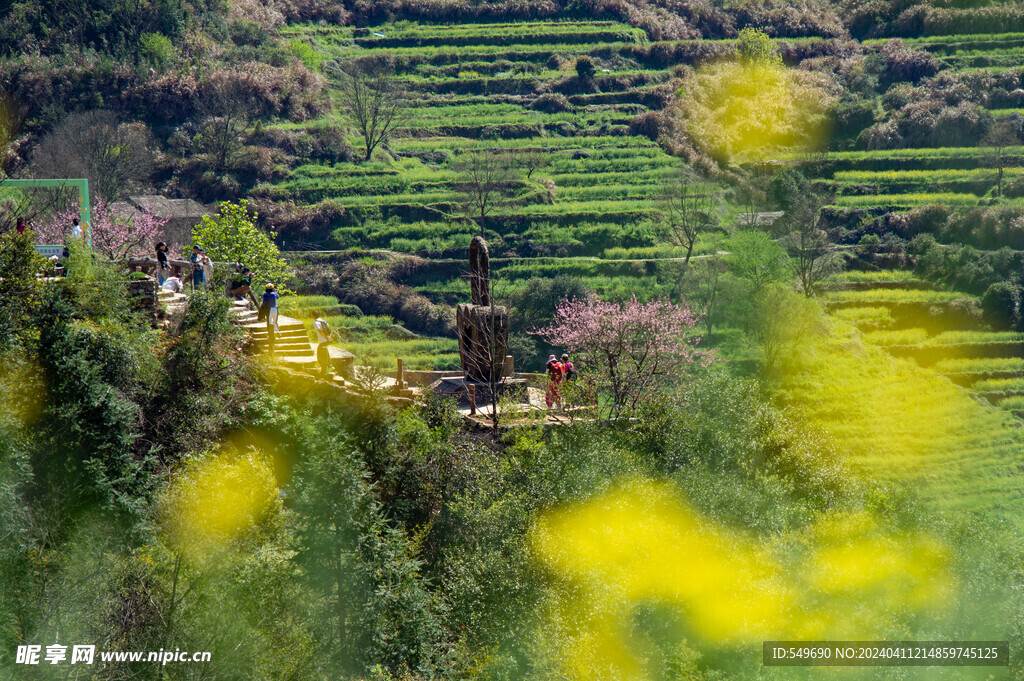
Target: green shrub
(306, 54)
(585, 68)
(999, 305)
(157, 50)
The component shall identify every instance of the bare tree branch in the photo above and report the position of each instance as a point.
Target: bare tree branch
(115, 157)
(814, 255)
(686, 212)
(373, 99)
(485, 181)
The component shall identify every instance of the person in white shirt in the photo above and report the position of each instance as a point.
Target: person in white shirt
(76, 229)
(172, 284)
(207, 270)
(323, 335)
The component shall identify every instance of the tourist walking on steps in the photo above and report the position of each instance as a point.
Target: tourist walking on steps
(323, 337)
(270, 297)
(198, 273)
(555, 374)
(161, 263)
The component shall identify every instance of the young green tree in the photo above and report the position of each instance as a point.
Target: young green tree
(755, 258)
(232, 236)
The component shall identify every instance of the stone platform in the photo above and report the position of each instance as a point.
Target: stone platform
(459, 389)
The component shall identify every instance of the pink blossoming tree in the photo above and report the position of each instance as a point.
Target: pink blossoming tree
(627, 350)
(116, 236)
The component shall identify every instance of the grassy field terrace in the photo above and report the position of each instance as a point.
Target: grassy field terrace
(900, 179)
(917, 393)
(910, 320)
(474, 87)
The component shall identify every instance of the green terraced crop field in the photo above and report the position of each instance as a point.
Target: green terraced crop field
(473, 86)
(905, 422)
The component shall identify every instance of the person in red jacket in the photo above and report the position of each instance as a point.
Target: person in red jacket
(555, 375)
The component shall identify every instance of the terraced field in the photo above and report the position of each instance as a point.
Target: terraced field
(375, 341)
(904, 178)
(475, 86)
(916, 396)
(910, 320)
(901, 179)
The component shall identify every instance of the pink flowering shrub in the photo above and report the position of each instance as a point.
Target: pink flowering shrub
(115, 236)
(627, 350)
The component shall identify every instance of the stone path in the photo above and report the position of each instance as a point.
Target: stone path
(292, 347)
(173, 302)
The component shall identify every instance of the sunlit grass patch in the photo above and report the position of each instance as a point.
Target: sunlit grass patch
(998, 385)
(897, 337)
(980, 365)
(893, 296)
(1015, 403)
(298, 306)
(857, 276)
(958, 337)
(876, 315)
(914, 199)
(920, 337)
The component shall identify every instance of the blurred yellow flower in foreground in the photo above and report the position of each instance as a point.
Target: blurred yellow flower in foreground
(754, 108)
(640, 544)
(220, 500)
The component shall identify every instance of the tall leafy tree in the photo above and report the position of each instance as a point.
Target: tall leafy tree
(232, 236)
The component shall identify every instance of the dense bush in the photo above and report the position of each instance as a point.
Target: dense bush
(109, 25)
(904, 64)
(999, 305)
(964, 267)
(551, 103)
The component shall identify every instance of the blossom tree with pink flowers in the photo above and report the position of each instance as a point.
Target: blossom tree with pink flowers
(116, 236)
(627, 350)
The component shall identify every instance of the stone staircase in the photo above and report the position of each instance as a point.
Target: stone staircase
(173, 302)
(291, 347)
